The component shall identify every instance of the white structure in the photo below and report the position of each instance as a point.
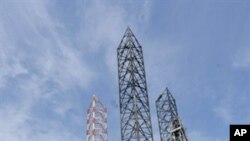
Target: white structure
(97, 121)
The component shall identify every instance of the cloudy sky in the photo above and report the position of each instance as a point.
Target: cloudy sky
(56, 54)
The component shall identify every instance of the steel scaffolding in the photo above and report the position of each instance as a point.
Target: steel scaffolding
(97, 121)
(169, 122)
(134, 103)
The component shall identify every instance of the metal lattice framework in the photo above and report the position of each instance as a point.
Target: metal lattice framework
(170, 125)
(134, 103)
(97, 121)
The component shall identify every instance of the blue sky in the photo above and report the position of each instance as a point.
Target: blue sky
(56, 54)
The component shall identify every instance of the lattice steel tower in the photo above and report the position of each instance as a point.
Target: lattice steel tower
(134, 103)
(171, 128)
(97, 121)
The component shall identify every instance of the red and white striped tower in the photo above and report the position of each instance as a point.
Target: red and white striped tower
(97, 121)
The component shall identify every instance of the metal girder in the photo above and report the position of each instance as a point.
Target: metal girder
(170, 126)
(133, 95)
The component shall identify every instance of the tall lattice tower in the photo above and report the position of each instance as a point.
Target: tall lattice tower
(134, 103)
(171, 128)
(97, 121)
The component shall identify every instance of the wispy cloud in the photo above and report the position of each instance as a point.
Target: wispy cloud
(104, 23)
(34, 45)
(38, 68)
(41, 66)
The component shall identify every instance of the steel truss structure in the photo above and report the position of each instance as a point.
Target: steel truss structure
(169, 122)
(133, 95)
(97, 121)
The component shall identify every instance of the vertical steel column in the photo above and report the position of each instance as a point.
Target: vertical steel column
(97, 121)
(169, 122)
(134, 103)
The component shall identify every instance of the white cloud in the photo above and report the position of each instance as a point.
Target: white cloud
(102, 22)
(40, 64)
(103, 25)
(105, 22)
(34, 57)
(19, 125)
(35, 40)
(11, 67)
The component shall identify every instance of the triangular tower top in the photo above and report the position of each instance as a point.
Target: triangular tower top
(96, 102)
(167, 97)
(129, 39)
(128, 32)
